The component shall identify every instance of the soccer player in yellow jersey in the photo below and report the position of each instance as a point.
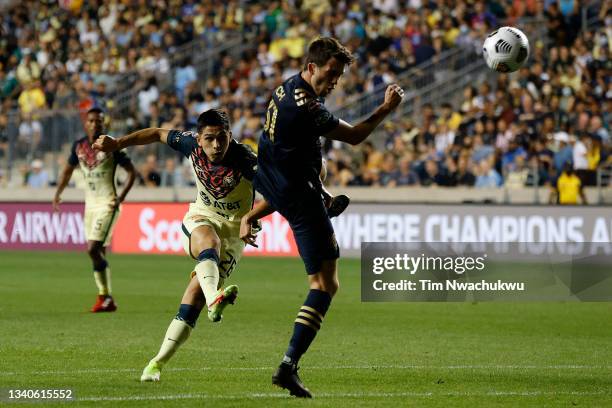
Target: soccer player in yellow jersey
(224, 171)
(101, 200)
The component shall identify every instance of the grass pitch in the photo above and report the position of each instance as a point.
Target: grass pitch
(367, 354)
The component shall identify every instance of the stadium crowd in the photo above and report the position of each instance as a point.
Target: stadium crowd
(520, 132)
(555, 109)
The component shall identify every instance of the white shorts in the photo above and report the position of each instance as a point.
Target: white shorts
(228, 232)
(99, 223)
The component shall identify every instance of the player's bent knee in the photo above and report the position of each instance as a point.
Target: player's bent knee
(331, 286)
(204, 238)
(199, 246)
(324, 282)
(94, 250)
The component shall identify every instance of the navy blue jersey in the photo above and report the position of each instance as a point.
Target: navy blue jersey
(289, 154)
(224, 189)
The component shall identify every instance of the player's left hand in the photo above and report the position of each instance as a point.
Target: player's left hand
(56, 203)
(115, 203)
(106, 143)
(248, 231)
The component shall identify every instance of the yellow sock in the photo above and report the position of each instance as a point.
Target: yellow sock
(207, 273)
(102, 283)
(107, 274)
(178, 332)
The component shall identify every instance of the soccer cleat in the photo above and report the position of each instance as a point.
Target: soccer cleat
(151, 372)
(286, 377)
(225, 297)
(104, 303)
(338, 205)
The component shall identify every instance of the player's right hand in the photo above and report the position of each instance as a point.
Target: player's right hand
(55, 203)
(393, 96)
(248, 232)
(106, 143)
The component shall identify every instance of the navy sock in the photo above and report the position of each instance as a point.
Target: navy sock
(307, 324)
(188, 313)
(101, 266)
(210, 253)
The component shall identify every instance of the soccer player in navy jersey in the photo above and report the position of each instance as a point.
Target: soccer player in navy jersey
(289, 163)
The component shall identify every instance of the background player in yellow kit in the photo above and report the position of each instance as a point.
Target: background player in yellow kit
(101, 200)
(224, 171)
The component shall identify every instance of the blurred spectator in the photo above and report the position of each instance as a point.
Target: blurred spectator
(463, 176)
(567, 188)
(38, 176)
(517, 172)
(579, 153)
(65, 97)
(509, 158)
(149, 174)
(28, 70)
(448, 117)
(444, 139)
(8, 83)
(564, 152)
(480, 151)
(389, 170)
(406, 176)
(32, 97)
(147, 96)
(184, 75)
(487, 176)
(597, 129)
(4, 142)
(432, 176)
(171, 175)
(544, 158)
(30, 135)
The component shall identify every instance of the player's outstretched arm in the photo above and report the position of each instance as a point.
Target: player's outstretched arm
(354, 135)
(61, 185)
(107, 143)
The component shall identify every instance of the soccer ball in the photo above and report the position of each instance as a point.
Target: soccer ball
(506, 49)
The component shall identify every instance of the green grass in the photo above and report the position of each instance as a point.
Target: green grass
(367, 354)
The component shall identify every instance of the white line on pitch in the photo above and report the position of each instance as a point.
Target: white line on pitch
(345, 367)
(347, 395)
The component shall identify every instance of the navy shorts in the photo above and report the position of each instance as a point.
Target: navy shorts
(313, 232)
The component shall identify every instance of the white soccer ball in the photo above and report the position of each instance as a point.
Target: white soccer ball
(506, 49)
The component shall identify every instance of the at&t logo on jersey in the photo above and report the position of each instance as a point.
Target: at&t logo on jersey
(221, 205)
(205, 198)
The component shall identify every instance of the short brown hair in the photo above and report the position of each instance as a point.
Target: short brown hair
(323, 49)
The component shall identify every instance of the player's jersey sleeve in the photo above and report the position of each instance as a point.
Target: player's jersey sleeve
(248, 161)
(121, 158)
(321, 119)
(183, 142)
(73, 159)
